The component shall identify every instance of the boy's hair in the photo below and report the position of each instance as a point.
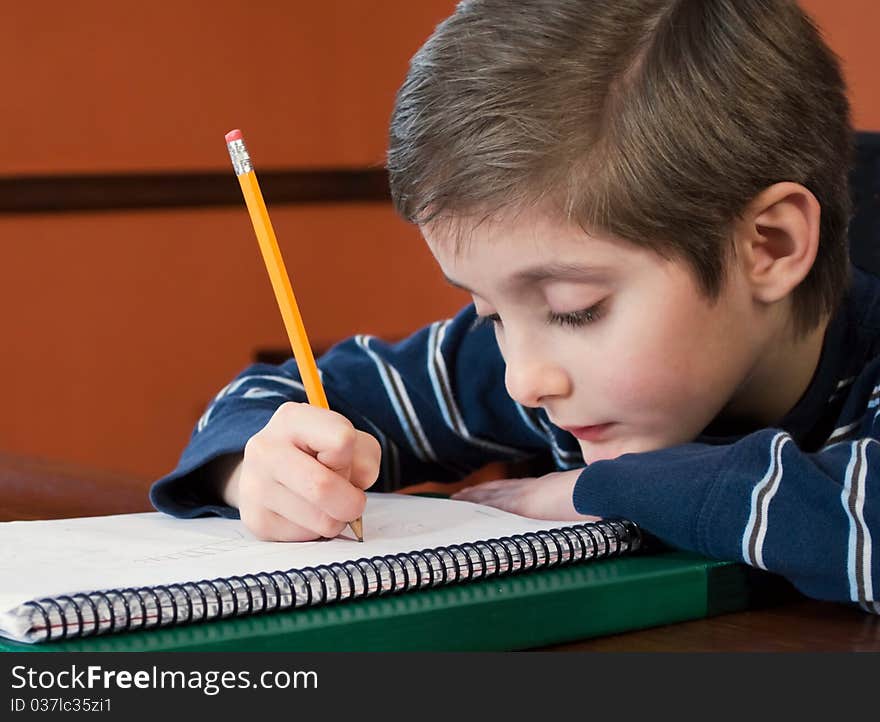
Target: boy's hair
(656, 121)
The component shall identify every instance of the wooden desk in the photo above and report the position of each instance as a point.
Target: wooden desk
(42, 489)
(801, 625)
(33, 489)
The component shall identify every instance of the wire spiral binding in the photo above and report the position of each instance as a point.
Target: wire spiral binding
(118, 610)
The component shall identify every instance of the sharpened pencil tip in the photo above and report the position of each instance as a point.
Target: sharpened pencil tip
(357, 526)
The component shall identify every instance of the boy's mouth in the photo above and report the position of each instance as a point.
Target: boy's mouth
(596, 432)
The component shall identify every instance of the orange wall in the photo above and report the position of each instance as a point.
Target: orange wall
(850, 28)
(109, 85)
(119, 327)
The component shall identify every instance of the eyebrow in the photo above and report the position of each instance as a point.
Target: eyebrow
(555, 271)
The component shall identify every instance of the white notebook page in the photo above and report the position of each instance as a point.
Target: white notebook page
(68, 556)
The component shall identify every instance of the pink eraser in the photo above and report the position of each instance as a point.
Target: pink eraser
(233, 135)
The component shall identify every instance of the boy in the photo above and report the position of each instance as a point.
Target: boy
(648, 202)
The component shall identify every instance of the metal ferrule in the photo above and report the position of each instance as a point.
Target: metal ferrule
(241, 161)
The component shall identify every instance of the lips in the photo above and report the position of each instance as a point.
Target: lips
(596, 432)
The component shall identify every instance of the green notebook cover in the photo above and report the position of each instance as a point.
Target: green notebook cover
(523, 611)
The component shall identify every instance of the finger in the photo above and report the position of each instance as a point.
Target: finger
(267, 525)
(471, 494)
(366, 461)
(479, 491)
(273, 459)
(323, 488)
(292, 507)
(322, 433)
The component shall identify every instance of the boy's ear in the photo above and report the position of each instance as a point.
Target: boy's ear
(777, 238)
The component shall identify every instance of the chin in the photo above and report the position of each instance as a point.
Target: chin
(593, 457)
(601, 452)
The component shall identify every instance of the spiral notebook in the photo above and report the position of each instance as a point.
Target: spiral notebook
(82, 577)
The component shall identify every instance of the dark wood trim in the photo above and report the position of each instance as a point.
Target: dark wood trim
(126, 191)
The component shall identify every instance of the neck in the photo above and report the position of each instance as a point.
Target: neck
(778, 380)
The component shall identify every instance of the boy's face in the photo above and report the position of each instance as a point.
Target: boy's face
(617, 344)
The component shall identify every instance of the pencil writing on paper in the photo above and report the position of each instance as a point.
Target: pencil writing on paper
(296, 332)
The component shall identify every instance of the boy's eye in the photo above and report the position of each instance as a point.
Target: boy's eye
(575, 319)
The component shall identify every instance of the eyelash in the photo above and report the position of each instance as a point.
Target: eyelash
(574, 319)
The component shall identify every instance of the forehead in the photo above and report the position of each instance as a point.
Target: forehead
(457, 233)
(528, 244)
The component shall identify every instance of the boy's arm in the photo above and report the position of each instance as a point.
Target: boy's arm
(436, 402)
(810, 517)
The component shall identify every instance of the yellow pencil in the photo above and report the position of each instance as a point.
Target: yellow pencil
(296, 332)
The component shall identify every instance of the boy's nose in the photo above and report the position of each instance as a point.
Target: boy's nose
(531, 381)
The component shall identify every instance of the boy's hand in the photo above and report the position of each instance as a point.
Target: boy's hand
(543, 497)
(302, 476)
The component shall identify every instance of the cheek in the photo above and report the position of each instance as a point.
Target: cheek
(648, 362)
(641, 381)
(669, 362)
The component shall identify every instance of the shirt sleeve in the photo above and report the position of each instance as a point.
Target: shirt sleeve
(809, 517)
(435, 401)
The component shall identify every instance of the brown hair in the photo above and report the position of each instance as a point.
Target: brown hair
(656, 121)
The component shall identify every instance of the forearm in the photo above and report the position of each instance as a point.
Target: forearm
(762, 501)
